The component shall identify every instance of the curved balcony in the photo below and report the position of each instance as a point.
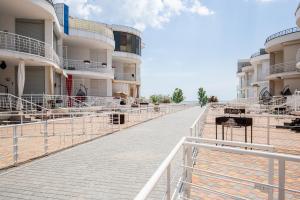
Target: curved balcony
(126, 29)
(28, 47)
(284, 69)
(130, 57)
(92, 30)
(131, 77)
(279, 38)
(88, 68)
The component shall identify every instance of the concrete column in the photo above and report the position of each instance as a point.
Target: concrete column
(49, 32)
(109, 87)
(109, 57)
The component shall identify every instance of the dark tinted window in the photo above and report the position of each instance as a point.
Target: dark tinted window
(127, 42)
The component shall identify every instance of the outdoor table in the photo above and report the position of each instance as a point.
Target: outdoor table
(238, 121)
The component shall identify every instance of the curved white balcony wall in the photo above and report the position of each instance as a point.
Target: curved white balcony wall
(284, 70)
(259, 58)
(28, 49)
(28, 9)
(92, 31)
(248, 68)
(88, 69)
(126, 57)
(126, 29)
(297, 14)
(277, 41)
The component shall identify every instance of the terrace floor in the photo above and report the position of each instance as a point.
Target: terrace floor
(213, 166)
(113, 167)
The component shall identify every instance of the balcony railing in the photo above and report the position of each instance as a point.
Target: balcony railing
(282, 33)
(91, 26)
(85, 65)
(126, 77)
(50, 1)
(284, 67)
(259, 53)
(23, 44)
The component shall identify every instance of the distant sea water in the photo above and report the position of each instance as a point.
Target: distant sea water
(190, 102)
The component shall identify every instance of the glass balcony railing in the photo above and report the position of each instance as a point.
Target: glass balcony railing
(259, 53)
(91, 26)
(284, 67)
(282, 33)
(127, 77)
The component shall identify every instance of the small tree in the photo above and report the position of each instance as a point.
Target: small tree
(202, 98)
(154, 99)
(177, 96)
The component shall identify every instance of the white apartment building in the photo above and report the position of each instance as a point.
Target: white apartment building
(126, 61)
(88, 58)
(252, 75)
(283, 48)
(43, 50)
(277, 70)
(30, 43)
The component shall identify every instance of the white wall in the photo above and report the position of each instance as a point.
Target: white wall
(121, 87)
(7, 23)
(290, 52)
(79, 53)
(95, 87)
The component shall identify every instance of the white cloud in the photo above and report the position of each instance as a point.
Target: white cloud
(198, 8)
(138, 13)
(82, 8)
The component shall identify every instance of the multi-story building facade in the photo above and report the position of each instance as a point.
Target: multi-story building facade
(283, 47)
(43, 50)
(30, 43)
(126, 61)
(252, 75)
(277, 69)
(88, 58)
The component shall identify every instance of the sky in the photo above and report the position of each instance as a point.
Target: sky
(193, 43)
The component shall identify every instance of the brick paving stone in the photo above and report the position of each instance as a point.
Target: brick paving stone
(113, 167)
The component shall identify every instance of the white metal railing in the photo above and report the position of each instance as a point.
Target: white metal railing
(9, 102)
(282, 33)
(83, 65)
(196, 130)
(55, 101)
(284, 67)
(23, 142)
(23, 44)
(184, 182)
(127, 76)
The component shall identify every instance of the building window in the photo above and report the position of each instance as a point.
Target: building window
(127, 42)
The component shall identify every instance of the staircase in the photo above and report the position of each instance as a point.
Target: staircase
(16, 110)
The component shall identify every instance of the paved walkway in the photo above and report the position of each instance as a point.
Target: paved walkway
(113, 167)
